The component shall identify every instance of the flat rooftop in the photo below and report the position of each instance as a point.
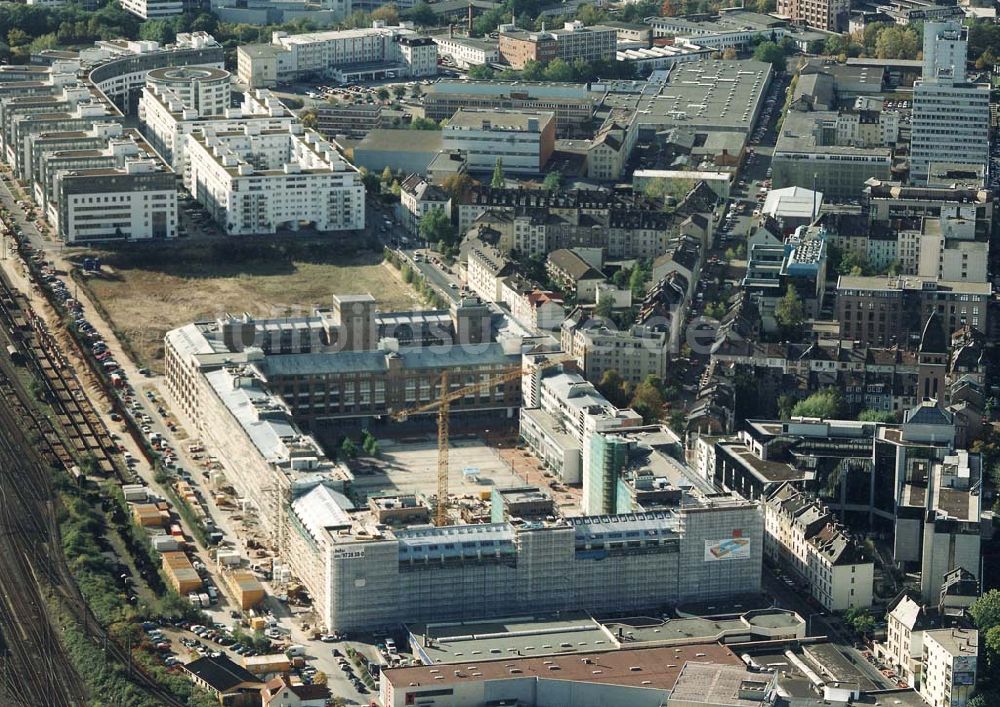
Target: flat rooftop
(714, 95)
(701, 683)
(528, 636)
(653, 668)
(499, 120)
(636, 631)
(798, 135)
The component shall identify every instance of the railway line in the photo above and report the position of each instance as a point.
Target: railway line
(35, 667)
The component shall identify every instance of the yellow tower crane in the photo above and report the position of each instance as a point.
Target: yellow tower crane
(443, 404)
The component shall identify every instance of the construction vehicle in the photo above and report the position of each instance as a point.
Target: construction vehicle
(443, 405)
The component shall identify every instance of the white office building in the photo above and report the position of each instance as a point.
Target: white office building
(951, 116)
(377, 52)
(153, 9)
(136, 201)
(259, 181)
(523, 141)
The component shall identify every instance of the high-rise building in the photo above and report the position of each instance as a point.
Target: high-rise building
(951, 115)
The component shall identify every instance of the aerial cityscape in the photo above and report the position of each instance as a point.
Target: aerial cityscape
(499, 353)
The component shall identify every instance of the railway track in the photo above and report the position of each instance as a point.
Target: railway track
(35, 667)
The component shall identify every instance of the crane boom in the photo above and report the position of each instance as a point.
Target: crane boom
(443, 406)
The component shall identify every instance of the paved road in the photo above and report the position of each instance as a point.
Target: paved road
(820, 624)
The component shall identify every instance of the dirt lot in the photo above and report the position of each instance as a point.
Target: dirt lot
(147, 292)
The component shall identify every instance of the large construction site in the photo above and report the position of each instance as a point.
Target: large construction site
(429, 527)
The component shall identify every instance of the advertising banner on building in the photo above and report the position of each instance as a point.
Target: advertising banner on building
(728, 549)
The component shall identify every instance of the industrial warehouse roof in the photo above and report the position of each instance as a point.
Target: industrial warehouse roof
(523, 636)
(435, 357)
(652, 668)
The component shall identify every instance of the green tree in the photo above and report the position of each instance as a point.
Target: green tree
(387, 175)
(614, 387)
(985, 611)
(382, 94)
(590, 15)
(498, 181)
(648, 400)
(877, 416)
(771, 53)
(399, 90)
(605, 308)
(423, 15)
(481, 72)
(436, 227)
(553, 180)
(416, 91)
(348, 450)
(861, 620)
(533, 70)
(308, 118)
(559, 70)
(789, 311)
(457, 184)
(386, 13)
(897, 43)
(826, 404)
(421, 123)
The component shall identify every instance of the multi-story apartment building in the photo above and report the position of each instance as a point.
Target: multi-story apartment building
(467, 52)
(802, 536)
(522, 141)
(884, 311)
(134, 201)
(204, 89)
(568, 412)
(634, 353)
(828, 15)
(259, 181)
(951, 115)
(773, 266)
(354, 121)
(625, 224)
(908, 480)
(417, 197)
(572, 104)
(807, 154)
(950, 661)
(168, 123)
(895, 204)
(344, 55)
(573, 41)
(118, 68)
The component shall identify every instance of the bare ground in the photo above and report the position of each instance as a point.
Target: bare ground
(146, 293)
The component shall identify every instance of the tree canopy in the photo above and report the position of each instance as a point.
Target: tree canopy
(825, 403)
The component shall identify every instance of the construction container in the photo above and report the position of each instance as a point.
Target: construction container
(180, 572)
(164, 543)
(244, 588)
(135, 493)
(228, 558)
(267, 664)
(258, 623)
(150, 515)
